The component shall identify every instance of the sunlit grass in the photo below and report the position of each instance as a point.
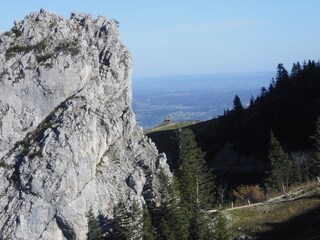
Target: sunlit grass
(172, 126)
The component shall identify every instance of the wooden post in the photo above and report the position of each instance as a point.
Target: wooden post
(283, 189)
(249, 202)
(231, 204)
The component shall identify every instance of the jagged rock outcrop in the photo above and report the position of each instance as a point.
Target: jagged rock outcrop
(68, 136)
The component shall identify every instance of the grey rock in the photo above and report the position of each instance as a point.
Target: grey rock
(68, 135)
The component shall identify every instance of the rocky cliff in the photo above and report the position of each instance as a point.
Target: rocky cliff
(68, 136)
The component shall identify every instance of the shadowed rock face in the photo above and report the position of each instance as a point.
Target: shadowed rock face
(68, 135)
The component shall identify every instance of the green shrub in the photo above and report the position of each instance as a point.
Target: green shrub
(11, 51)
(7, 33)
(45, 57)
(37, 153)
(3, 164)
(17, 32)
(69, 46)
(39, 47)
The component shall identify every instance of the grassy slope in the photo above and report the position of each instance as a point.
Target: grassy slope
(297, 219)
(173, 126)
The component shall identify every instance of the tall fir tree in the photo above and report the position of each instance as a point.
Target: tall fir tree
(237, 105)
(169, 219)
(196, 183)
(296, 69)
(128, 221)
(136, 220)
(121, 222)
(147, 231)
(221, 229)
(282, 76)
(281, 166)
(315, 162)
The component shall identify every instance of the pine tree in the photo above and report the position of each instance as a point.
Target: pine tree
(281, 167)
(136, 220)
(252, 100)
(169, 220)
(296, 69)
(315, 163)
(147, 231)
(282, 76)
(94, 229)
(196, 183)
(128, 221)
(196, 180)
(221, 230)
(201, 227)
(121, 222)
(237, 105)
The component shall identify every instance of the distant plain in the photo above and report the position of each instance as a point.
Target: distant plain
(187, 98)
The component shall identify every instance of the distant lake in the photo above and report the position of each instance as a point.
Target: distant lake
(200, 97)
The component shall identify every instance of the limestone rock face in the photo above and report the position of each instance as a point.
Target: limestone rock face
(68, 135)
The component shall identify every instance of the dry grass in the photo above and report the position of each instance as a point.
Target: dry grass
(266, 219)
(171, 127)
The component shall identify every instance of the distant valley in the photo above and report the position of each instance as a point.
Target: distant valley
(192, 97)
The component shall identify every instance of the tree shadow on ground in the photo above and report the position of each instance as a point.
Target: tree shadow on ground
(303, 227)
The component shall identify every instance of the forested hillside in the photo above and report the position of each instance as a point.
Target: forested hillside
(239, 140)
(289, 107)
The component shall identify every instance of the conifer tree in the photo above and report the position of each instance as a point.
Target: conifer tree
(196, 183)
(121, 222)
(147, 231)
(281, 166)
(221, 230)
(128, 221)
(136, 220)
(282, 74)
(237, 105)
(296, 69)
(201, 227)
(169, 220)
(195, 179)
(315, 163)
(252, 100)
(94, 229)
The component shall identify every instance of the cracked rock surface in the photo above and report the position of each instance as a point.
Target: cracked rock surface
(68, 135)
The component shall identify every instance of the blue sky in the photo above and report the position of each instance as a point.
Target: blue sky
(187, 37)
